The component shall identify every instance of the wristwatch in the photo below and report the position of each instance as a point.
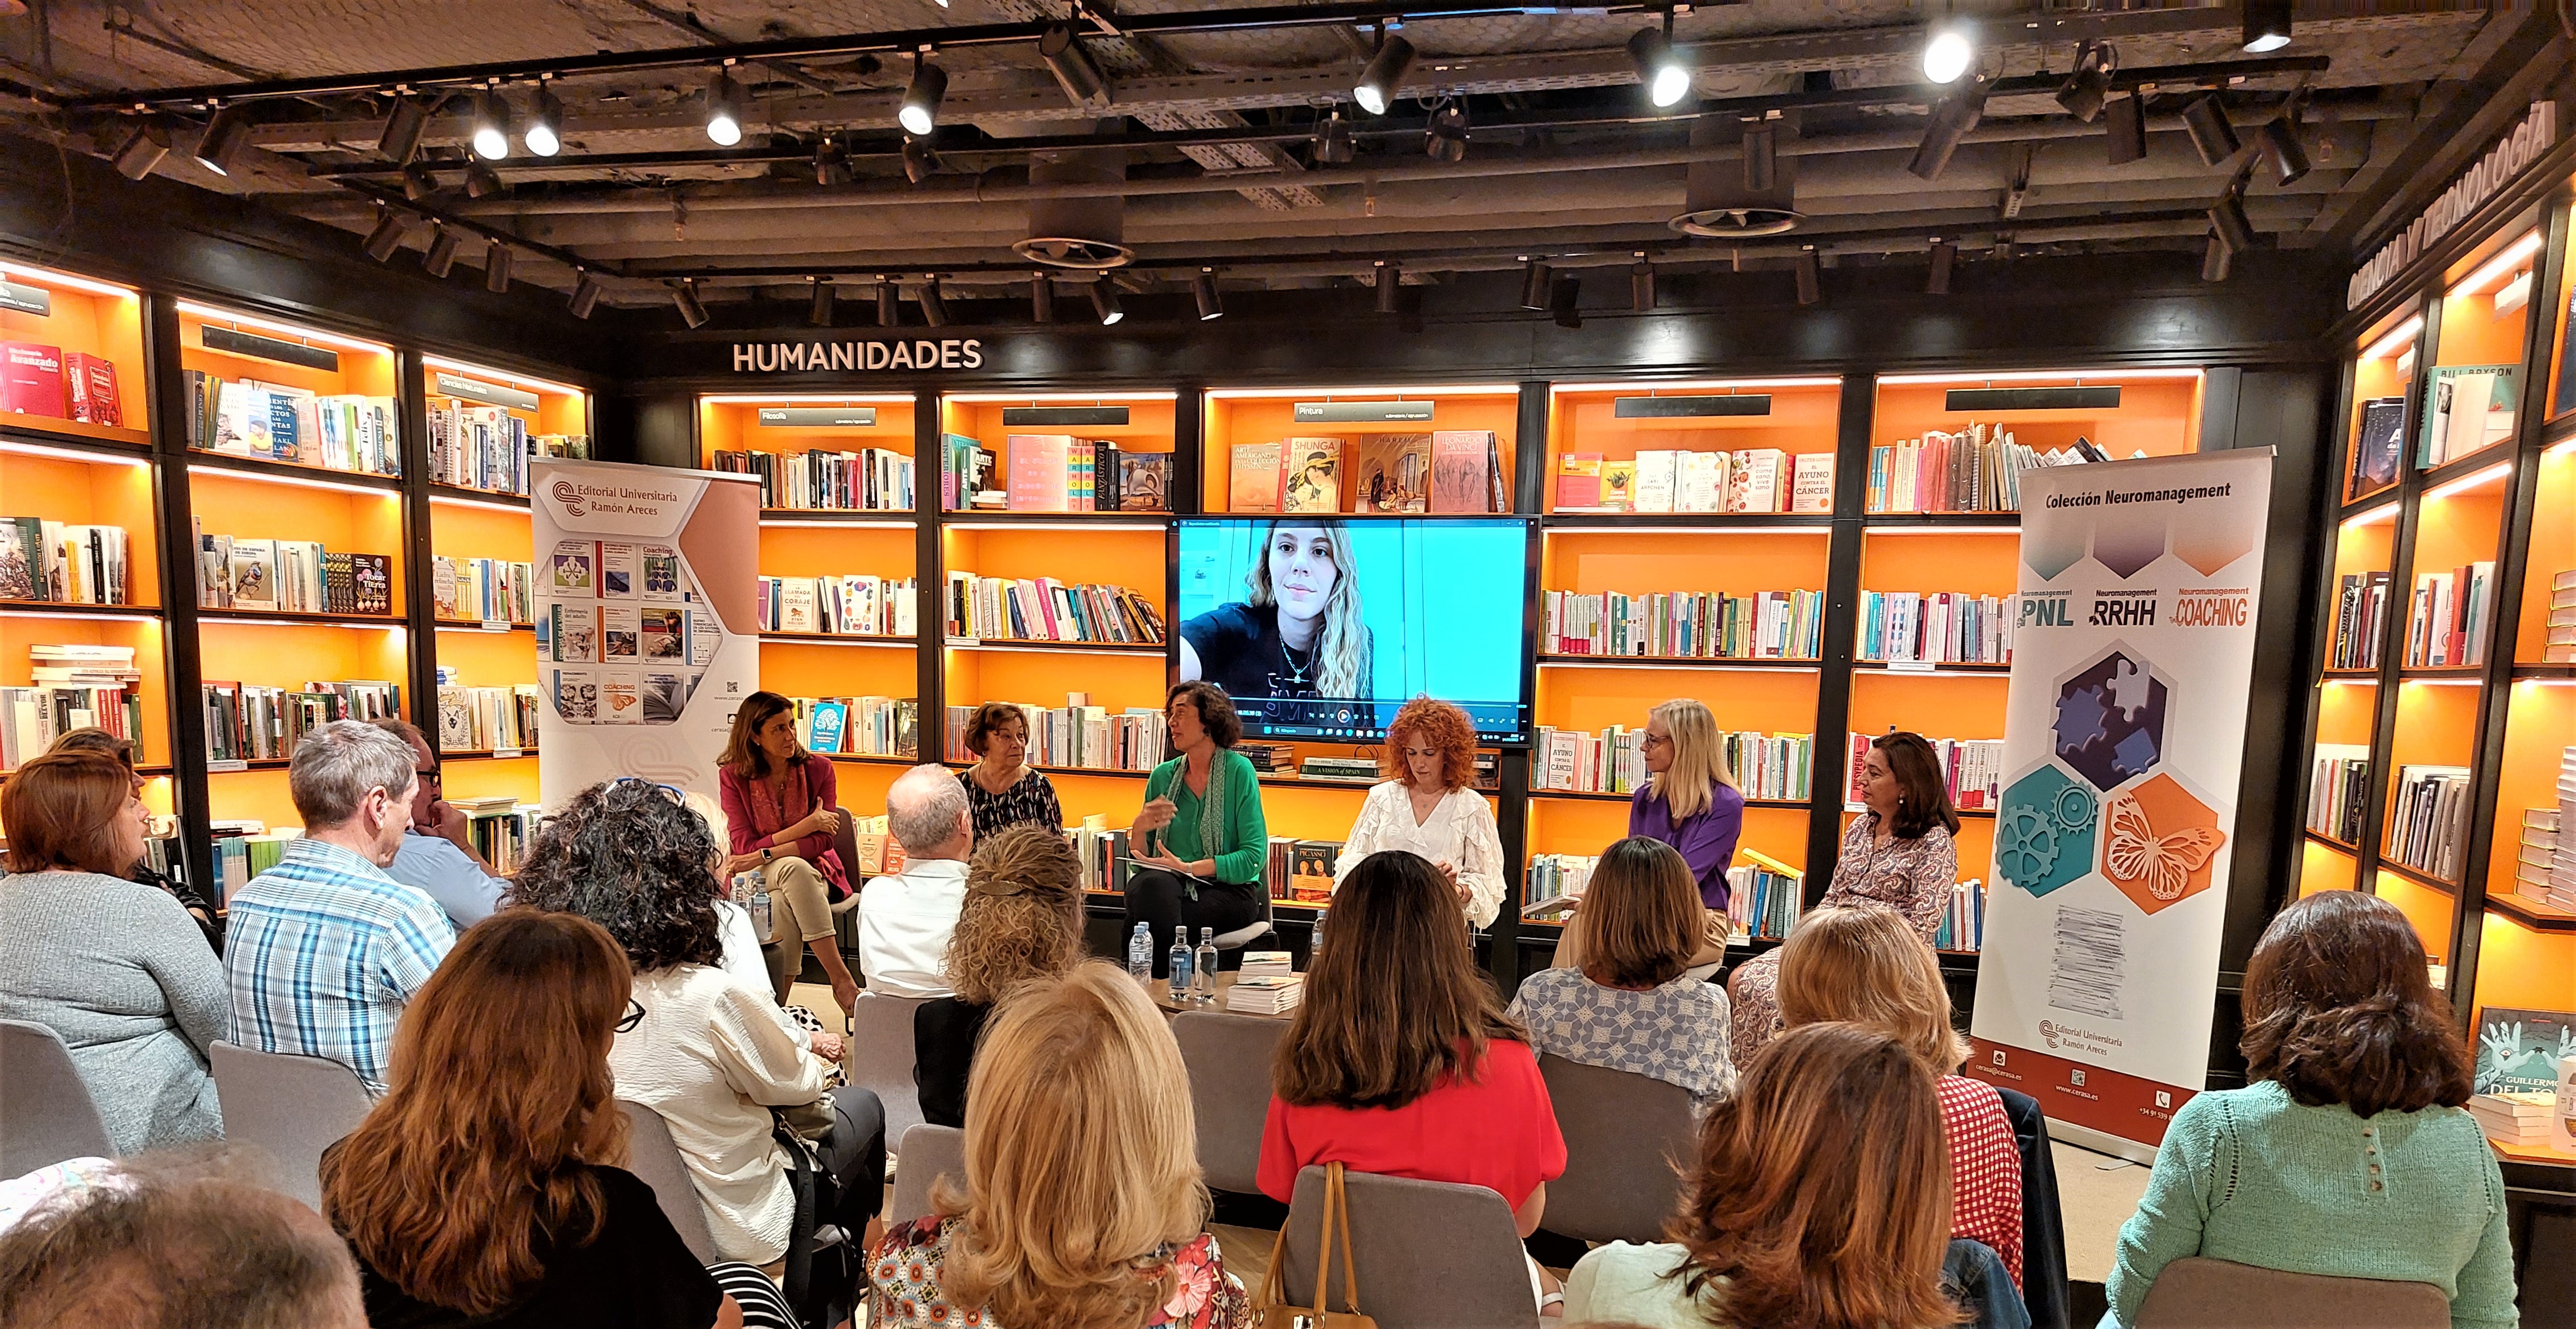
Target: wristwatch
(766, 851)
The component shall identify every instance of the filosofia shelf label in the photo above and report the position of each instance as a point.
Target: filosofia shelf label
(849, 356)
(490, 394)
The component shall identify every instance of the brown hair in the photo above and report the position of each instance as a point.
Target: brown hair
(402, 729)
(1822, 1191)
(1437, 724)
(1022, 916)
(1922, 796)
(1642, 918)
(988, 719)
(91, 738)
(501, 1093)
(2340, 1008)
(61, 810)
(1216, 710)
(1396, 1004)
(742, 754)
(1867, 965)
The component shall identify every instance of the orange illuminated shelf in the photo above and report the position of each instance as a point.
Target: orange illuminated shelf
(840, 638)
(1099, 771)
(862, 516)
(1937, 519)
(2330, 842)
(2466, 673)
(2351, 673)
(465, 493)
(282, 618)
(1679, 662)
(2531, 1153)
(287, 472)
(1576, 518)
(241, 765)
(2544, 671)
(1942, 667)
(147, 769)
(52, 427)
(2538, 913)
(998, 520)
(2422, 878)
(70, 609)
(487, 754)
(2382, 499)
(1077, 647)
(1605, 796)
(477, 625)
(2473, 462)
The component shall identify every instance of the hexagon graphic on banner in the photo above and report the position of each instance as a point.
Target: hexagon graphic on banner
(2110, 719)
(2044, 831)
(2126, 540)
(2160, 843)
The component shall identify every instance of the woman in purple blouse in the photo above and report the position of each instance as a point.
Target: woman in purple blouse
(1690, 801)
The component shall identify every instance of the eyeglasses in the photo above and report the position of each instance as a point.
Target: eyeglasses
(1653, 740)
(634, 1016)
(673, 790)
(430, 775)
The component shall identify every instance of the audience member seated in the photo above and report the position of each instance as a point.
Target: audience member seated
(200, 906)
(1022, 920)
(114, 966)
(1819, 1199)
(1867, 966)
(435, 854)
(324, 948)
(485, 1187)
(782, 804)
(906, 918)
(1001, 787)
(2348, 1154)
(1082, 1206)
(710, 1054)
(1632, 1005)
(1402, 1062)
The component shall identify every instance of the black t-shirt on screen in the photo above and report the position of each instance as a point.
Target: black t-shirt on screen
(1240, 650)
(636, 1274)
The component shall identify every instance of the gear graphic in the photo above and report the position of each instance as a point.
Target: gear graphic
(2026, 845)
(2075, 808)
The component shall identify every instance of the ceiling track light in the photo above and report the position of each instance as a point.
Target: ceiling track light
(1660, 70)
(1203, 289)
(1534, 283)
(819, 311)
(1385, 73)
(491, 125)
(2227, 217)
(1811, 277)
(919, 113)
(496, 267)
(481, 181)
(1641, 284)
(440, 258)
(419, 182)
(831, 164)
(585, 293)
(1565, 301)
(684, 296)
(1949, 52)
(2280, 141)
(1104, 302)
(142, 150)
(1060, 46)
(1389, 281)
(919, 162)
(2084, 90)
(544, 131)
(219, 149)
(724, 109)
(1333, 139)
(1761, 156)
(889, 303)
(2267, 25)
(1446, 138)
(399, 141)
(934, 307)
(386, 237)
(2124, 129)
(1041, 298)
(2216, 258)
(1952, 119)
(2205, 118)
(1944, 253)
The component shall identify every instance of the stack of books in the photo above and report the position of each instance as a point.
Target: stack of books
(249, 418)
(74, 686)
(1301, 871)
(488, 719)
(482, 590)
(1765, 898)
(861, 480)
(2537, 854)
(2514, 1116)
(1446, 472)
(1757, 480)
(291, 577)
(1692, 625)
(247, 722)
(1061, 473)
(1266, 964)
(1612, 761)
(1044, 609)
(2361, 615)
(1553, 881)
(2558, 640)
(1963, 921)
(858, 726)
(62, 563)
(1078, 734)
(1270, 758)
(2428, 819)
(2337, 788)
(1356, 770)
(2452, 614)
(849, 605)
(1944, 627)
(1972, 767)
(1266, 994)
(2471, 408)
(1977, 469)
(2562, 862)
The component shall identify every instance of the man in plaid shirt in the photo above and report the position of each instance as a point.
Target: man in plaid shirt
(325, 948)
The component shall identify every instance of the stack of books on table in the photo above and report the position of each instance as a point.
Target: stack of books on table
(2514, 1117)
(2558, 645)
(1266, 994)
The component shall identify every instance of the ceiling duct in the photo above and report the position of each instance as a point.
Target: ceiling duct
(1720, 203)
(1087, 234)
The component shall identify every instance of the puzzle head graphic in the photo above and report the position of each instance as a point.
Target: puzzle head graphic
(2110, 724)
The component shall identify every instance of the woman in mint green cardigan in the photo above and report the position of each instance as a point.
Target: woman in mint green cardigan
(2349, 1153)
(1199, 844)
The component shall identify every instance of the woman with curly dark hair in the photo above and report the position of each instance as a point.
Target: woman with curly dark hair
(1199, 845)
(1022, 919)
(1428, 806)
(2348, 1152)
(710, 1054)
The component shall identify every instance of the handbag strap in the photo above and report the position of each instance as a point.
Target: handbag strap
(1324, 1237)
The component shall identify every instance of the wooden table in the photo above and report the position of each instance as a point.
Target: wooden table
(1161, 991)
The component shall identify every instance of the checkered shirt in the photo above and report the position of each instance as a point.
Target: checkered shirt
(323, 951)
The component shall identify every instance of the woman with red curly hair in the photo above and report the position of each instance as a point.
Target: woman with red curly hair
(1427, 807)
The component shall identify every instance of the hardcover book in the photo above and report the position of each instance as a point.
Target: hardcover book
(1144, 481)
(1458, 470)
(1813, 488)
(22, 558)
(1578, 480)
(2521, 1049)
(31, 379)
(1042, 472)
(1314, 476)
(1395, 473)
(91, 383)
(2376, 446)
(374, 578)
(254, 574)
(1253, 483)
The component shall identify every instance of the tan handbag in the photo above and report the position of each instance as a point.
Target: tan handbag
(1270, 1310)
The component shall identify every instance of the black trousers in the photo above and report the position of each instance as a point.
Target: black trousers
(854, 1152)
(1160, 900)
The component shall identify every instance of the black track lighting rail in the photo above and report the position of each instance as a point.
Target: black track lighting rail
(395, 202)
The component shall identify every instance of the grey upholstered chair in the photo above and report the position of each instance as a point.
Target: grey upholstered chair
(292, 1106)
(880, 1058)
(2196, 1293)
(46, 1114)
(928, 1152)
(655, 1159)
(1429, 1254)
(1624, 1135)
(1229, 1062)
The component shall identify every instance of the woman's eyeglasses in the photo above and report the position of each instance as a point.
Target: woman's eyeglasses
(634, 1016)
(673, 790)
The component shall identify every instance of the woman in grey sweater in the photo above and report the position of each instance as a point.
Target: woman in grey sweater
(117, 968)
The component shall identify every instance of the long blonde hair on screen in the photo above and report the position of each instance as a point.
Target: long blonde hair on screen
(1082, 1172)
(1699, 759)
(1342, 653)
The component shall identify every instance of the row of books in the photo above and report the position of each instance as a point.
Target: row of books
(1613, 761)
(1044, 609)
(574, 633)
(65, 563)
(2361, 616)
(1972, 768)
(1078, 734)
(41, 380)
(291, 577)
(2452, 619)
(72, 687)
(2558, 630)
(859, 726)
(243, 850)
(849, 605)
(1061, 473)
(2338, 786)
(500, 828)
(1703, 625)
(1944, 627)
(1765, 898)
(486, 719)
(1301, 871)
(275, 422)
(1977, 469)
(483, 590)
(2471, 407)
(249, 722)
(488, 448)
(1452, 471)
(820, 480)
(2428, 821)
(1963, 918)
(1679, 480)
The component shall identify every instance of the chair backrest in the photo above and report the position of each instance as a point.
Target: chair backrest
(927, 1153)
(2197, 1293)
(292, 1106)
(845, 842)
(46, 1113)
(1429, 1254)
(1626, 1136)
(880, 1057)
(655, 1160)
(1229, 1061)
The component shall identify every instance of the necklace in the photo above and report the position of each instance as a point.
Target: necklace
(1299, 673)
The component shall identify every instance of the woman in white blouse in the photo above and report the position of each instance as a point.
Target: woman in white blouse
(1429, 808)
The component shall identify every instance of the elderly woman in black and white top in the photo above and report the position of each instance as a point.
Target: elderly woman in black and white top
(1002, 789)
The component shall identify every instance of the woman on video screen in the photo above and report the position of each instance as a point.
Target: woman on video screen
(1297, 634)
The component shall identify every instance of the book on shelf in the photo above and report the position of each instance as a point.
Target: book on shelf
(1963, 918)
(66, 563)
(1049, 473)
(274, 422)
(2428, 819)
(1976, 469)
(243, 850)
(970, 476)
(2338, 786)
(1704, 625)
(1771, 767)
(867, 726)
(486, 719)
(1256, 477)
(2377, 445)
(1578, 481)
(1077, 734)
(89, 381)
(488, 448)
(1553, 882)
(2469, 408)
(72, 686)
(1394, 473)
(31, 380)
(1972, 769)
(1044, 609)
(2518, 1050)
(1311, 476)
(1311, 865)
(1661, 480)
(2536, 854)
(1811, 484)
(1459, 462)
(2558, 628)
(2361, 617)
(249, 722)
(2515, 1116)
(1764, 898)
(824, 480)
(1144, 481)
(290, 576)
(2452, 617)
(1942, 627)
(1619, 484)
(848, 605)
(1102, 853)
(483, 590)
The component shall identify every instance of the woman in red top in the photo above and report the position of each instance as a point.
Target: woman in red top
(782, 809)
(1867, 966)
(1401, 1061)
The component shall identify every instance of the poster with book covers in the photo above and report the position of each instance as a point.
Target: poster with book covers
(2124, 742)
(647, 620)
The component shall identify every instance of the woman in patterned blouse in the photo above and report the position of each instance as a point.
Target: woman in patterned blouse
(1897, 855)
(1061, 1224)
(1002, 789)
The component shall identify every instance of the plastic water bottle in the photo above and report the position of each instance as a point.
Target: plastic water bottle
(1140, 955)
(1179, 961)
(1315, 942)
(1203, 968)
(760, 916)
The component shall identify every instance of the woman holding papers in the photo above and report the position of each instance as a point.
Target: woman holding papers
(1198, 847)
(1428, 806)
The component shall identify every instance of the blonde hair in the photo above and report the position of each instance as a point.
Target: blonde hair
(1699, 759)
(1022, 916)
(1868, 966)
(1082, 1172)
(1342, 653)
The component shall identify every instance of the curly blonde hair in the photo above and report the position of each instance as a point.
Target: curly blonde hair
(1022, 917)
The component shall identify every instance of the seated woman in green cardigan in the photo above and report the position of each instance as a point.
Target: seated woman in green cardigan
(1199, 844)
(2347, 1153)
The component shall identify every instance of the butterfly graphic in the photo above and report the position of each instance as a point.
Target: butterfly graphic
(2164, 863)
